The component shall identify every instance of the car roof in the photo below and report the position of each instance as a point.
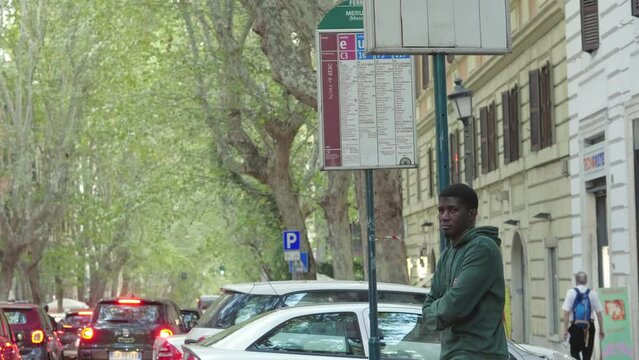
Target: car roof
(291, 286)
(347, 306)
(147, 301)
(209, 296)
(13, 305)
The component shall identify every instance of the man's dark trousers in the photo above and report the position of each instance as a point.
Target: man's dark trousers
(578, 342)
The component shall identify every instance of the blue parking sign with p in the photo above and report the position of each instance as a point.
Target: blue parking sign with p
(292, 240)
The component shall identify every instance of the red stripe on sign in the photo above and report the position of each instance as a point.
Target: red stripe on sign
(330, 101)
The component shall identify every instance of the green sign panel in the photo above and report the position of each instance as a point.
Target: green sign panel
(617, 324)
(347, 15)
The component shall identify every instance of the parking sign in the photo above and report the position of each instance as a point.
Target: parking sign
(292, 240)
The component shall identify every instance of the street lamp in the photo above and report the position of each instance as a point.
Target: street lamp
(463, 100)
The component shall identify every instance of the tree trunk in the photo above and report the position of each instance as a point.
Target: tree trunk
(97, 287)
(389, 243)
(59, 292)
(289, 208)
(7, 269)
(335, 206)
(32, 273)
(81, 288)
(126, 284)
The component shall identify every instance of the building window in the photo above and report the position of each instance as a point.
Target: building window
(590, 25)
(635, 7)
(488, 126)
(431, 176)
(510, 119)
(425, 71)
(541, 124)
(554, 320)
(455, 151)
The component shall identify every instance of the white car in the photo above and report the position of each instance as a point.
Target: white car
(546, 353)
(240, 302)
(323, 332)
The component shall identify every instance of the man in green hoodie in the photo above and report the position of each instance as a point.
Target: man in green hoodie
(466, 299)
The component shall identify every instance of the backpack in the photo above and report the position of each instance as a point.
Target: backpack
(581, 309)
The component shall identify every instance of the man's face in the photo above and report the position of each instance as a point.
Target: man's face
(455, 217)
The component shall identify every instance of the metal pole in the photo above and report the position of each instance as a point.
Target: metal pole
(441, 128)
(373, 340)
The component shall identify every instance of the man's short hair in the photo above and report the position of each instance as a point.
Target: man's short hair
(463, 192)
(581, 278)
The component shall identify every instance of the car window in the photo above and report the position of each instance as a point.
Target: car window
(400, 298)
(76, 321)
(403, 336)
(322, 297)
(319, 334)
(226, 332)
(16, 317)
(143, 314)
(235, 308)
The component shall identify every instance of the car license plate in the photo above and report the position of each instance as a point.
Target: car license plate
(125, 355)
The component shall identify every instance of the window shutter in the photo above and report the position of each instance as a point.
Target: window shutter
(505, 111)
(514, 123)
(473, 151)
(590, 25)
(545, 89)
(535, 139)
(425, 74)
(635, 7)
(483, 121)
(492, 137)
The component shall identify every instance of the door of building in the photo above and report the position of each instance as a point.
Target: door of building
(518, 290)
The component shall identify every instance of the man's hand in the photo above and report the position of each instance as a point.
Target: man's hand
(565, 335)
(601, 335)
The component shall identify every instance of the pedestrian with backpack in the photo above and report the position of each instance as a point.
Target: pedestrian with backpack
(580, 306)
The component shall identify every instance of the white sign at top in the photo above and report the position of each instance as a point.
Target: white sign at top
(437, 26)
(366, 107)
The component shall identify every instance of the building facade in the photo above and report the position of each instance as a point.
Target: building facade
(516, 157)
(603, 88)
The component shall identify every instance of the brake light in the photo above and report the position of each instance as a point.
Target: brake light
(87, 333)
(200, 338)
(67, 326)
(168, 352)
(85, 313)
(37, 337)
(130, 301)
(164, 333)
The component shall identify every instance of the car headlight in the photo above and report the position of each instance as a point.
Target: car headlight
(561, 356)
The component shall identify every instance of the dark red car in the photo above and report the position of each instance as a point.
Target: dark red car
(8, 343)
(69, 331)
(126, 328)
(33, 330)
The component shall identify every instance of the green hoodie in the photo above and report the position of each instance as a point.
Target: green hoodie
(466, 299)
